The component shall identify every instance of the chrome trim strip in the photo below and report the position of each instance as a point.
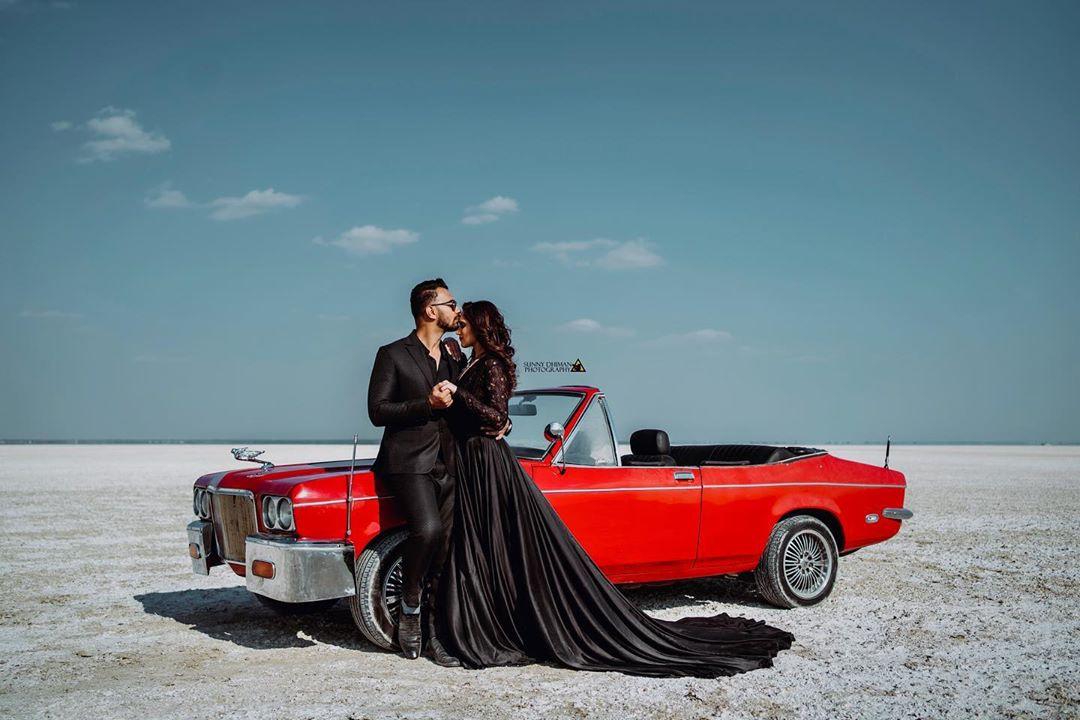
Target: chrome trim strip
(315, 503)
(781, 484)
(897, 513)
(303, 571)
(621, 489)
(233, 491)
(215, 479)
(789, 460)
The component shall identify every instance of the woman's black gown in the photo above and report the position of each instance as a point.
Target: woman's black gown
(517, 588)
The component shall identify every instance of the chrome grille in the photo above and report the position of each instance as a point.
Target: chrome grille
(234, 520)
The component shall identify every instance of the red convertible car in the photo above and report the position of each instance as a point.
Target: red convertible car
(307, 535)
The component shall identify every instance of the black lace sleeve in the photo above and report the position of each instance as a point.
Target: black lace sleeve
(490, 396)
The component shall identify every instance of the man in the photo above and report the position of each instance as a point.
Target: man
(416, 459)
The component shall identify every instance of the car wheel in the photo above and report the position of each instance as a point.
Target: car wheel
(377, 600)
(302, 608)
(798, 566)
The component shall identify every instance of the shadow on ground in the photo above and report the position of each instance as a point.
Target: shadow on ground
(233, 614)
(695, 593)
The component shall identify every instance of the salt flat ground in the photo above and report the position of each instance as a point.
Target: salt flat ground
(969, 612)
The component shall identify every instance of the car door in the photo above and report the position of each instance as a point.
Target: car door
(638, 524)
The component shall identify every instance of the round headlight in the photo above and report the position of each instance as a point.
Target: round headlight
(284, 512)
(270, 512)
(196, 505)
(204, 504)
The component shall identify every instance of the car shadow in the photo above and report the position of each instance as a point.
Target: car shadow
(695, 593)
(233, 614)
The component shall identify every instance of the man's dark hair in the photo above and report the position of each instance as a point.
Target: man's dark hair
(424, 293)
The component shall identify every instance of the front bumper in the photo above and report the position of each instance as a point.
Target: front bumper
(301, 571)
(201, 547)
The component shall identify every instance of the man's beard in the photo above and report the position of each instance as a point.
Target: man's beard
(447, 326)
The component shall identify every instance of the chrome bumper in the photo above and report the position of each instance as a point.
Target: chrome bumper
(302, 571)
(897, 513)
(201, 547)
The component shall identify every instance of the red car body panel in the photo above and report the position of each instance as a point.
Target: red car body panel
(638, 523)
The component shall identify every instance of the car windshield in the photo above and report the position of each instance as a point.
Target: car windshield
(531, 413)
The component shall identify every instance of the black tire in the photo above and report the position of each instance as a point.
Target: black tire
(809, 548)
(375, 605)
(303, 608)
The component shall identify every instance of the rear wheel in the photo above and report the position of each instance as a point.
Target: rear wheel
(377, 600)
(302, 608)
(799, 564)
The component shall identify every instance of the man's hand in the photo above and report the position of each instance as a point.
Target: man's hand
(439, 398)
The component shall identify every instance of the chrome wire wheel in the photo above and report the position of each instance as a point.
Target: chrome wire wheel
(806, 563)
(377, 600)
(391, 589)
(799, 563)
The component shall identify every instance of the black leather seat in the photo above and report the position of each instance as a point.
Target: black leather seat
(649, 447)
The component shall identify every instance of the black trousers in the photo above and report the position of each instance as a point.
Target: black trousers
(427, 502)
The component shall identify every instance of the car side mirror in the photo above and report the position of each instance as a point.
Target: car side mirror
(555, 431)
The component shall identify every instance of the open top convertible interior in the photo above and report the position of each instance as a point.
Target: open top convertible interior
(592, 442)
(653, 448)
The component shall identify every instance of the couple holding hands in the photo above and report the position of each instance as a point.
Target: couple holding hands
(491, 574)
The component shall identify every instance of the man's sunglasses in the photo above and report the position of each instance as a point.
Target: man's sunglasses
(451, 303)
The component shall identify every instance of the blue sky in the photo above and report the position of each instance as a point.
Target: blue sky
(756, 222)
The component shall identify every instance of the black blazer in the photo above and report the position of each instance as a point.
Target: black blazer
(397, 401)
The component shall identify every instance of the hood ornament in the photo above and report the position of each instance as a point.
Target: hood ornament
(246, 455)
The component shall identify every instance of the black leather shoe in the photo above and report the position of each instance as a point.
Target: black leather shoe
(409, 634)
(435, 651)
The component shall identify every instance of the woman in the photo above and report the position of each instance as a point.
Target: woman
(517, 588)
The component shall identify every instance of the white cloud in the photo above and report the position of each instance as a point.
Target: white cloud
(118, 133)
(49, 315)
(256, 202)
(602, 252)
(61, 125)
(588, 326)
(370, 240)
(630, 255)
(490, 210)
(479, 219)
(165, 196)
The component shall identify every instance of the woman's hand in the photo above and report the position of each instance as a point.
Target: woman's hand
(447, 385)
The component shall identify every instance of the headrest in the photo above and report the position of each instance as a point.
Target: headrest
(650, 442)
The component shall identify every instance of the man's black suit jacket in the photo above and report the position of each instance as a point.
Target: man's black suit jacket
(401, 380)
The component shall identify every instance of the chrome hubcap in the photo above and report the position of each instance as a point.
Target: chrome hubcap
(391, 589)
(806, 563)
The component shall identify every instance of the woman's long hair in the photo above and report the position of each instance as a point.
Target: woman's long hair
(491, 332)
